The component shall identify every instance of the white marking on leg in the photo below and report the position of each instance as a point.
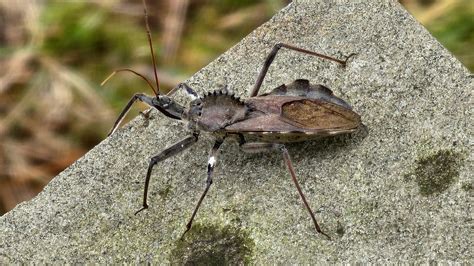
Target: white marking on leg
(212, 161)
(191, 96)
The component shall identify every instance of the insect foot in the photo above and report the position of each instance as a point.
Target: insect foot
(347, 59)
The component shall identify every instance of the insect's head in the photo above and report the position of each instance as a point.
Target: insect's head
(168, 107)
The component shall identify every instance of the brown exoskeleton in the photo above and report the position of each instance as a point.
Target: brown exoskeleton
(289, 113)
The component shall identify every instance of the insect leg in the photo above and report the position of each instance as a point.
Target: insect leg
(168, 152)
(138, 96)
(287, 159)
(256, 147)
(146, 116)
(271, 56)
(189, 91)
(210, 169)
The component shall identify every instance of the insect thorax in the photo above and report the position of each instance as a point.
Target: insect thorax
(216, 110)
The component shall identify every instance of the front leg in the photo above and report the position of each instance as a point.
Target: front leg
(257, 147)
(188, 90)
(138, 96)
(168, 152)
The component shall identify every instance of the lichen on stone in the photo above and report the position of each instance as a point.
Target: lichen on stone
(436, 172)
(211, 245)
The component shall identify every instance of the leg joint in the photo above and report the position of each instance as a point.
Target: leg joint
(139, 96)
(209, 181)
(154, 160)
(281, 147)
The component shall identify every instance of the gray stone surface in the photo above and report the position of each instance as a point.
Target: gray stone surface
(402, 193)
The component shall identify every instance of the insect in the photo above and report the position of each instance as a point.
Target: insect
(296, 112)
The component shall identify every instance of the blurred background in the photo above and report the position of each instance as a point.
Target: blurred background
(55, 53)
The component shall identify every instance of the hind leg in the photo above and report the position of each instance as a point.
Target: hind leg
(271, 56)
(257, 147)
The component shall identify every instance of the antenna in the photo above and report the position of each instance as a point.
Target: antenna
(157, 90)
(151, 48)
(129, 70)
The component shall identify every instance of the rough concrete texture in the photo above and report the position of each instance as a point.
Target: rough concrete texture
(401, 193)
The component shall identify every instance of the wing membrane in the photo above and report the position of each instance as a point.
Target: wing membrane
(318, 115)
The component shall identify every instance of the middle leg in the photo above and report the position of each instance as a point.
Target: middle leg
(211, 163)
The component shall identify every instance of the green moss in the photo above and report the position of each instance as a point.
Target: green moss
(437, 172)
(340, 229)
(467, 187)
(164, 192)
(211, 245)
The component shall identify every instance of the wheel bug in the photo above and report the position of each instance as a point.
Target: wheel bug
(289, 113)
